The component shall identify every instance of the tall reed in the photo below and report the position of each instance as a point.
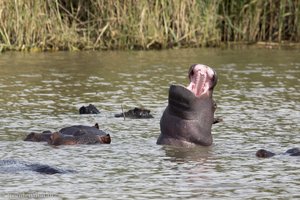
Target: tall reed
(144, 24)
(260, 20)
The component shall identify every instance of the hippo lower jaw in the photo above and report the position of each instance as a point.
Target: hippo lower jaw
(189, 116)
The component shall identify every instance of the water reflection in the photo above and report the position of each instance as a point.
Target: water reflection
(182, 155)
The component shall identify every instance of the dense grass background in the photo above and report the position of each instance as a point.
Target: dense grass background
(144, 24)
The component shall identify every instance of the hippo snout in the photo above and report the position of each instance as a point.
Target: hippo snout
(105, 139)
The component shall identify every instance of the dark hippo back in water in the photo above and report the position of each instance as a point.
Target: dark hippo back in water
(16, 166)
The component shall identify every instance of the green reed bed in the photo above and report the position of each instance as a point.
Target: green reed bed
(260, 20)
(144, 24)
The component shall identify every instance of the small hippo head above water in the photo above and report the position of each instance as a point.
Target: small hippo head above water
(262, 153)
(90, 109)
(189, 116)
(136, 113)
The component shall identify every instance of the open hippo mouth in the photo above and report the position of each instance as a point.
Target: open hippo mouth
(182, 99)
(188, 118)
(203, 79)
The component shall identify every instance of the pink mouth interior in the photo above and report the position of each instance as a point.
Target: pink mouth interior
(200, 78)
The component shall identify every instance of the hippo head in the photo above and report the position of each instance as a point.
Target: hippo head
(189, 116)
(104, 139)
(262, 153)
(38, 137)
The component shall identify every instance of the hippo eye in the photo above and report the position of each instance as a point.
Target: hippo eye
(191, 74)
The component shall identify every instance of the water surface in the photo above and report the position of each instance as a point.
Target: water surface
(258, 98)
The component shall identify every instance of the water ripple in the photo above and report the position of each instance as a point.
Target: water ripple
(257, 97)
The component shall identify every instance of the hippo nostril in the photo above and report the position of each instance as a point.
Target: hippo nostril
(191, 71)
(107, 135)
(191, 74)
(215, 78)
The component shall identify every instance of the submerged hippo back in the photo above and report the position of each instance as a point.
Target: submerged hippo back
(81, 130)
(16, 166)
(80, 135)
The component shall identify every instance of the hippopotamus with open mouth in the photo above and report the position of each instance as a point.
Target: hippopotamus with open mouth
(78, 134)
(189, 116)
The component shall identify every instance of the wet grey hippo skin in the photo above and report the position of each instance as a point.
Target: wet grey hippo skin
(78, 134)
(90, 109)
(16, 166)
(189, 116)
(262, 153)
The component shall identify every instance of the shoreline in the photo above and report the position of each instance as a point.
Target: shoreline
(223, 45)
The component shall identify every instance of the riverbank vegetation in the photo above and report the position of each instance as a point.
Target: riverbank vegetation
(144, 24)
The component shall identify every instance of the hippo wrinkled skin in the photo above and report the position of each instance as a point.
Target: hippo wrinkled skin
(77, 134)
(189, 116)
(136, 113)
(262, 153)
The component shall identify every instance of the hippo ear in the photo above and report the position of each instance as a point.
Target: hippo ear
(97, 126)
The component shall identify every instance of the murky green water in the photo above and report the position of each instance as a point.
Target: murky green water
(258, 98)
